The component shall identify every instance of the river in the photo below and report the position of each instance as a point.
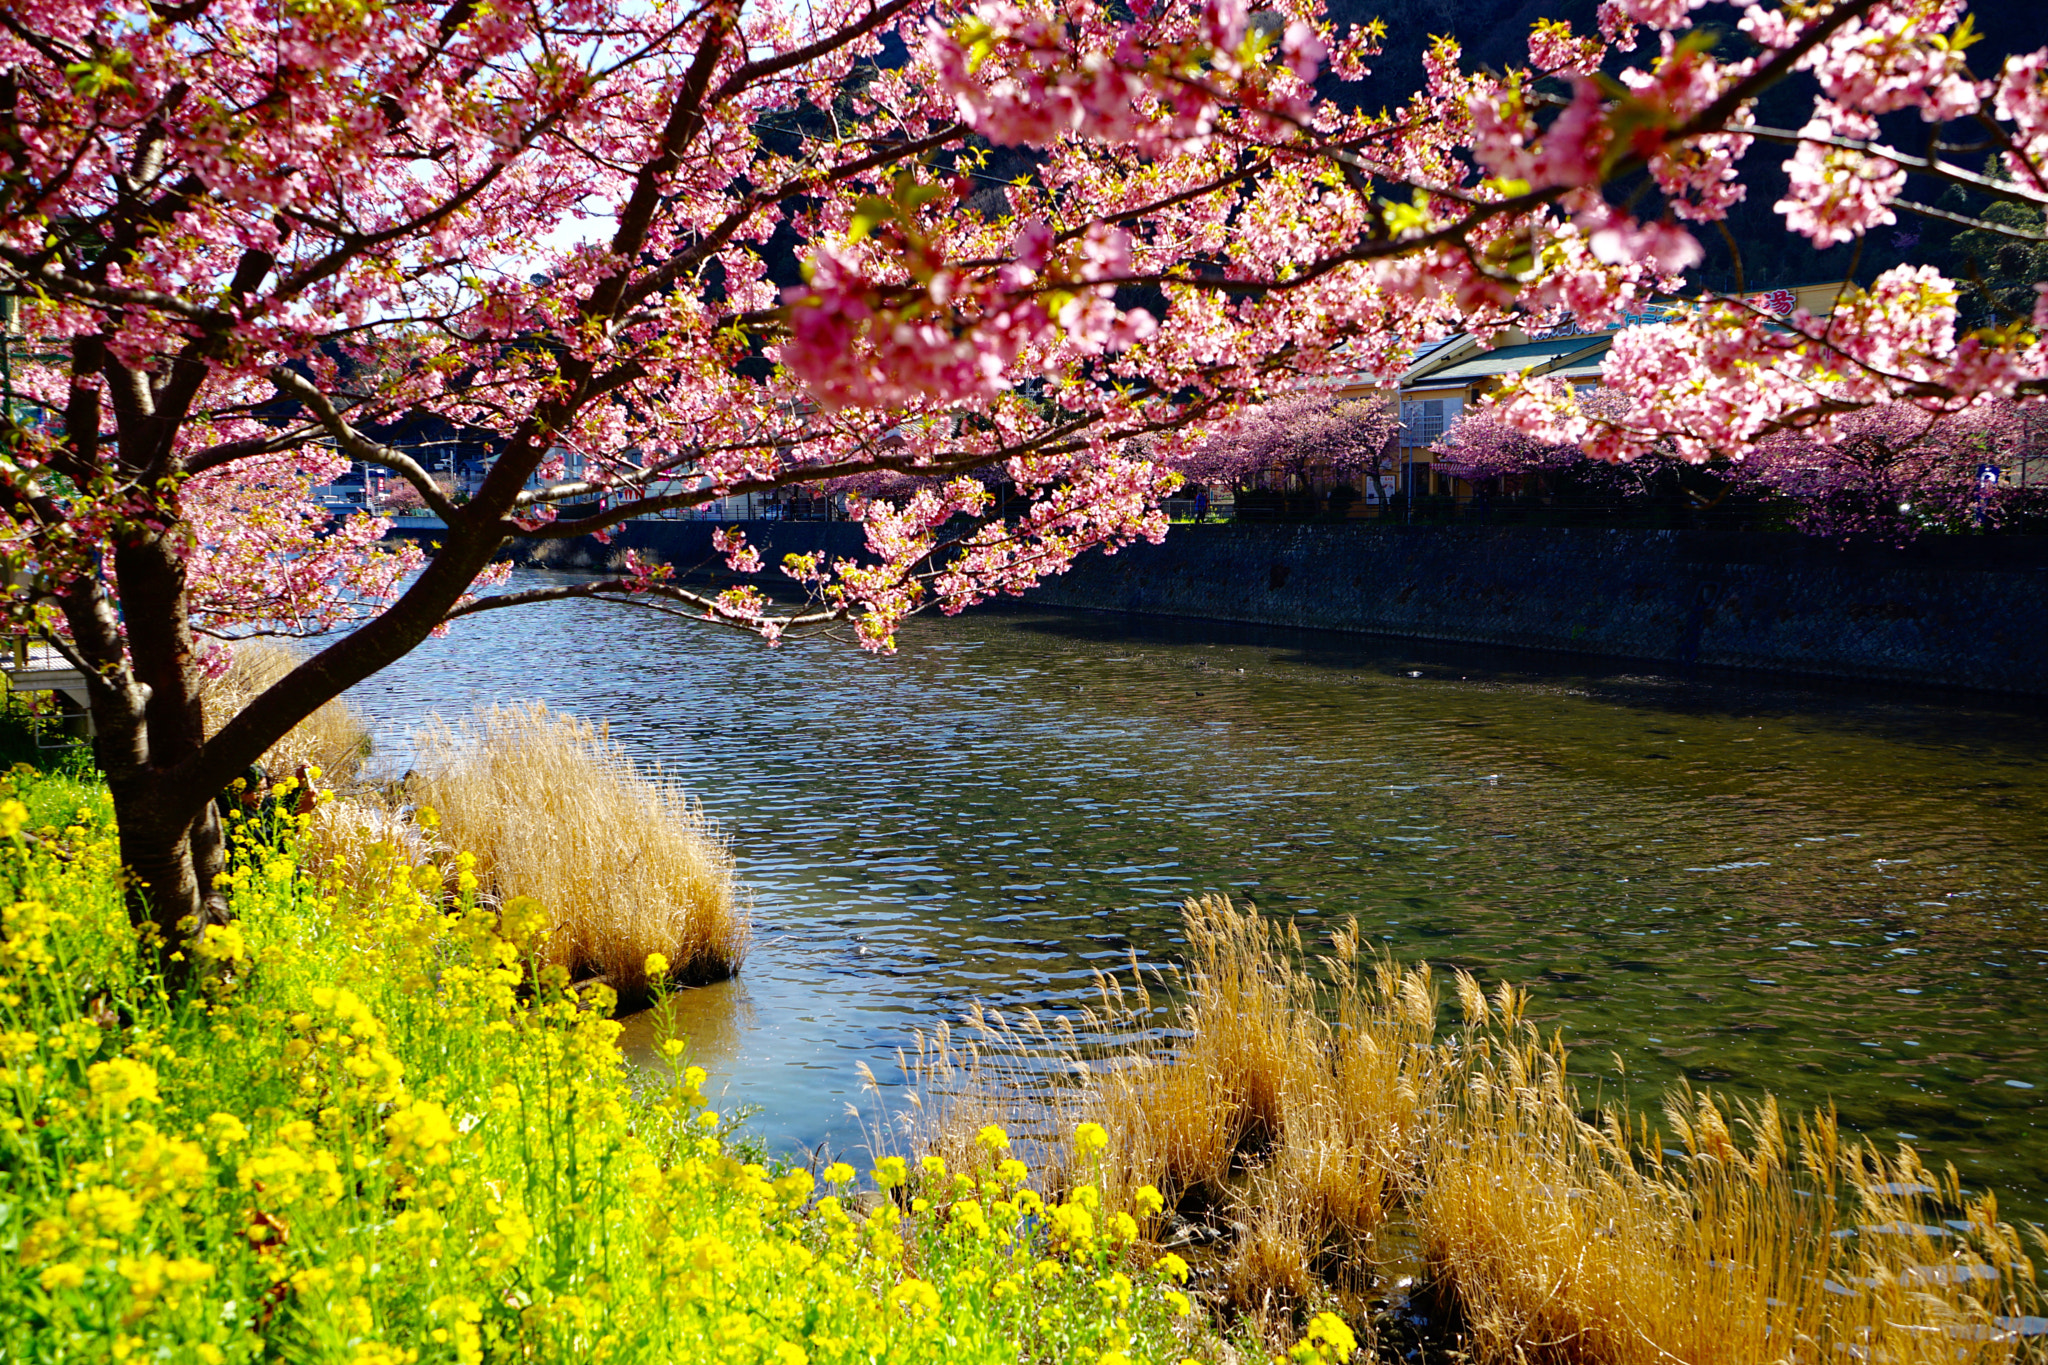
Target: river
(1835, 893)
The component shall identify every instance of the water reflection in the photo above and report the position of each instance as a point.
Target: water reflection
(1833, 892)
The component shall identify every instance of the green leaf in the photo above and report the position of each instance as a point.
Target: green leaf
(1965, 35)
(869, 211)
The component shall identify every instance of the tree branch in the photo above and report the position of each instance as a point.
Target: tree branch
(295, 385)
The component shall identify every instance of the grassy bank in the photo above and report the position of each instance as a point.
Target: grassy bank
(388, 1132)
(548, 806)
(1318, 1134)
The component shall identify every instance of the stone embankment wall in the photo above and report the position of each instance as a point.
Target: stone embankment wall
(1956, 611)
(1961, 611)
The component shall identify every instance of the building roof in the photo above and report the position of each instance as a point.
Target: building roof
(1582, 367)
(1508, 359)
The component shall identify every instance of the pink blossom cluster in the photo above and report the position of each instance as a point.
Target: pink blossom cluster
(1305, 435)
(249, 236)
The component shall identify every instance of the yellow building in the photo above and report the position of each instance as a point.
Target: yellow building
(1453, 376)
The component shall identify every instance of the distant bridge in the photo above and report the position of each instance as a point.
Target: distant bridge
(33, 665)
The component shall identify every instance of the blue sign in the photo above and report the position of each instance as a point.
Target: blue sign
(1987, 474)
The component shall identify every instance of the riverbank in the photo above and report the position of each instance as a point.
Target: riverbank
(387, 1133)
(1949, 611)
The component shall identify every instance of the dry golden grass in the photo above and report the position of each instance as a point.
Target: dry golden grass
(334, 738)
(1285, 1106)
(1574, 1242)
(360, 841)
(1305, 1112)
(624, 860)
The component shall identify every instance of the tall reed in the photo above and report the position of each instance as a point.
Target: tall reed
(334, 738)
(1298, 1113)
(1279, 1105)
(1757, 1238)
(625, 862)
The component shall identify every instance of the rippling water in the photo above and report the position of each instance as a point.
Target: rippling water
(1833, 893)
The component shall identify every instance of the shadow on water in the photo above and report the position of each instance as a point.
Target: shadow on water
(1828, 890)
(1904, 710)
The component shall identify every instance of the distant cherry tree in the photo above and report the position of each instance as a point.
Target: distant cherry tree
(1479, 445)
(1884, 472)
(1887, 472)
(1303, 436)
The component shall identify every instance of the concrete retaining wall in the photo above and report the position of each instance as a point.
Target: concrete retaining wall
(1958, 611)
(1965, 611)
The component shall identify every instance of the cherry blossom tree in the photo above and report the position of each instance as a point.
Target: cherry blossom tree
(1479, 446)
(248, 236)
(1886, 472)
(1302, 435)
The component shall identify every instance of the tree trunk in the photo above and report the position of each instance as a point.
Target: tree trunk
(174, 869)
(142, 680)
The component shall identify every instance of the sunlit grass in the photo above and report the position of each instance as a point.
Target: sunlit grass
(1311, 1120)
(624, 859)
(334, 738)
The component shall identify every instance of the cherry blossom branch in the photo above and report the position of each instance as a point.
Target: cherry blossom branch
(293, 384)
(1940, 170)
(634, 593)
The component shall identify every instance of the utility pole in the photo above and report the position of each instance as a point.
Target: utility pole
(9, 310)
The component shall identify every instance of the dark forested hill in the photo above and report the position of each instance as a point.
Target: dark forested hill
(1495, 33)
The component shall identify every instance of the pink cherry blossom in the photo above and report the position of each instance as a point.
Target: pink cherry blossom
(1837, 194)
(253, 243)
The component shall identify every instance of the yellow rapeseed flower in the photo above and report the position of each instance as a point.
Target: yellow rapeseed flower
(993, 1138)
(1147, 1201)
(421, 1130)
(222, 943)
(915, 1296)
(1090, 1138)
(225, 1130)
(838, 1173)
(61, 1276)
(103, 1209)
(1327, 1341)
